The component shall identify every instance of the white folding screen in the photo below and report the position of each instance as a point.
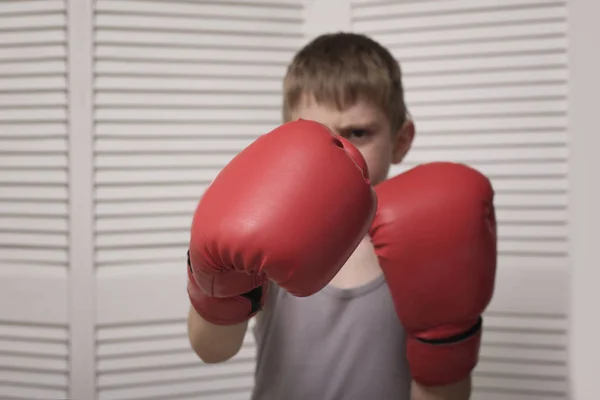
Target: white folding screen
(34, 328)
(179, 89)
(486, 82)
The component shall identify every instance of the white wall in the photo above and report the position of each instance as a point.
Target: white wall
(584, 96)
(110, 129)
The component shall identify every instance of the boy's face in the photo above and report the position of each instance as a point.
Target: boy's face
(367, 128)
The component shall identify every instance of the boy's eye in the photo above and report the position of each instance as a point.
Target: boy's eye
(358, 134)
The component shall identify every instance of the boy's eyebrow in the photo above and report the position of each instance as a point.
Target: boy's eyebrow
(372, 125)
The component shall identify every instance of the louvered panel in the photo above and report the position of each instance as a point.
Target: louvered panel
(180, 88)
(192, 115)
(445, 15)
(33, 142)
(486, 82)
(107, 131)
(525, 352)
(153, 361)
(33, 200)
(179, 95)
(524, 346)
(234, 101)
(33, 360)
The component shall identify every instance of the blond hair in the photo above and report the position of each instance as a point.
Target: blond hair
(340, 69)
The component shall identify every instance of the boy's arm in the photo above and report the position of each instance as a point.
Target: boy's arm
(441, 272)
(214, 343)
(457, 391)
(216, 326)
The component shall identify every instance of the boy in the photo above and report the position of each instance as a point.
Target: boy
(346, 341)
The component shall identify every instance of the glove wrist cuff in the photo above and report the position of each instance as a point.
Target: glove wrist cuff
(228, 310)
(445, 361)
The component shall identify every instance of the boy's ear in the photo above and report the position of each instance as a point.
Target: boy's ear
(403, 141)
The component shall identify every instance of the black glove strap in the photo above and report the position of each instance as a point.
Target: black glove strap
(189, 262)
(255, 297)
(456, 338)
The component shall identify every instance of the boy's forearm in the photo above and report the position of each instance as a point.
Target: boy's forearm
(214, 343)
(456, 391)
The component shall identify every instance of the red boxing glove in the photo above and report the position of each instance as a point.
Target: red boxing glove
(435, 236)
(228, 310)
(291, 208)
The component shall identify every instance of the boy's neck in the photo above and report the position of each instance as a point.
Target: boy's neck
(360, 269)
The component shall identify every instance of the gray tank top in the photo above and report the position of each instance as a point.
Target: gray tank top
(339, 344)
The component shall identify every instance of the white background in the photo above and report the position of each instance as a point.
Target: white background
(115, 115)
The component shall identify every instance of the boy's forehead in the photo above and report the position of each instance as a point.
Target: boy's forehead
(360, 114)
